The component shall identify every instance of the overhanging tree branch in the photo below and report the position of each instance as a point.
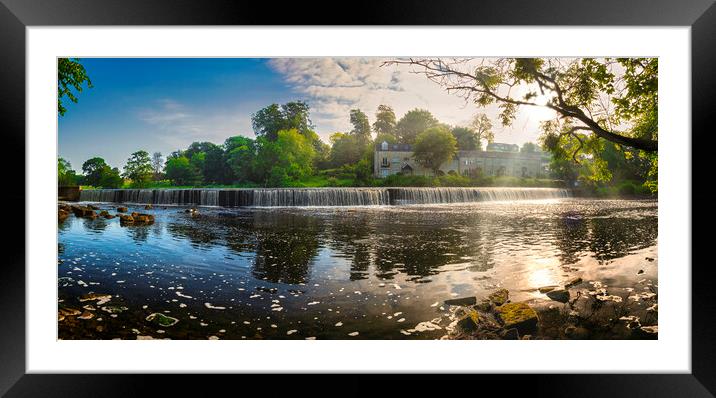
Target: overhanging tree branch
(454, 80)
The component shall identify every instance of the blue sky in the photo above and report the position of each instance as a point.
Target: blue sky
(165, 104)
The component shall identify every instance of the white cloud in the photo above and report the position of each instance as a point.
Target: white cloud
(178, 126)
(336, 85)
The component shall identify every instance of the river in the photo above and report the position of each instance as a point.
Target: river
(337, 272)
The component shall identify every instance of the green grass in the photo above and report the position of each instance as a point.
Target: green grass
(341, 178)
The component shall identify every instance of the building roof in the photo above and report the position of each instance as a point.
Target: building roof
(395, 147)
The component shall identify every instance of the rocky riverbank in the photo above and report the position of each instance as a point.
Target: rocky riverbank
(579, 309)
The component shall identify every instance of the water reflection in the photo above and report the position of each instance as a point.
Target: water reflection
(284, 243)
(398, 259)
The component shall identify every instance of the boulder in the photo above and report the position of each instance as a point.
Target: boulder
(148, 207)
(103, 213)
(519, 316)
(484, 306)
(121, 209)
(83, 211)
(134, 214)
(470, 321)
(143, 218)
(499, 297)
(465, 301)
(576, 333)
(560, 295)
(93, 207)
(510, 334)
(545, 289)
(62, 215)
(125, 219)
(573, 282)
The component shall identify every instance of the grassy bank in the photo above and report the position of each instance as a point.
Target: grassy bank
(325, 180)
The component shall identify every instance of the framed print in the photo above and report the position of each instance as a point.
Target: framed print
(472, 190)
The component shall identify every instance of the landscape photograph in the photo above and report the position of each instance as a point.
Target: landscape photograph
(349, 198)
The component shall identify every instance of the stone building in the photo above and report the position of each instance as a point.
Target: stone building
(498, 160)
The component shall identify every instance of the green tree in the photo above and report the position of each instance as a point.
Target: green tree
(240, 157)
(215, 170)
(110, 178)
(65, 175)
(287, 159)
(482, 126)
(267, 122)
(467, 139)
(384, 121)
(157, 165)
(579, 90)
(528, 147)
(93, 170)
(413, 123)
(139, 168)
(346, 149)
(71, 76)
(181, 172)
(433, 147)
(361, 125)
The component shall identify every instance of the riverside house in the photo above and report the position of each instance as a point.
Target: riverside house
(498, 160)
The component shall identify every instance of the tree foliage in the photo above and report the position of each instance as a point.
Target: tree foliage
(413, 123)
(157, 164)
(66, 176)
(93, 170)
(467, 138)
(240, 156)
(268, 121)
(384, 121)
(529, 147)
(433, 147)
(139, 168)
(361, 125)
(482, 125)
(181, 172)
(286, 159)
(595, 100)
(71, 77)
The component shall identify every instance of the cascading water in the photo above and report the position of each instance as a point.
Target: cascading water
(271, 197)
(404, 196)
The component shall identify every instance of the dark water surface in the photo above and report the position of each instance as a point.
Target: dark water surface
(333, 273)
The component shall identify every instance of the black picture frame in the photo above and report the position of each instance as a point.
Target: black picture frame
(16, 15)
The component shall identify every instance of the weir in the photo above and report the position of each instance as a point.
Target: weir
(273, 197)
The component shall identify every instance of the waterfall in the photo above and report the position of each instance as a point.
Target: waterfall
(270, 197)
(404, 196)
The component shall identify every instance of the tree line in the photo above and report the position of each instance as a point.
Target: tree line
(286, 149)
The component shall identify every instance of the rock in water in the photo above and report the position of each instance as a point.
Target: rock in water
(465, 301)
(81, 211)
(125, 219)
(470, 321)
(121, 209)
(499, 297)
(148, 207)
(572, 282)
(62, 215)
(545, 289)
(560, 295)
(519, 316)
(86, 315)
(161, 319)
(144, 218)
